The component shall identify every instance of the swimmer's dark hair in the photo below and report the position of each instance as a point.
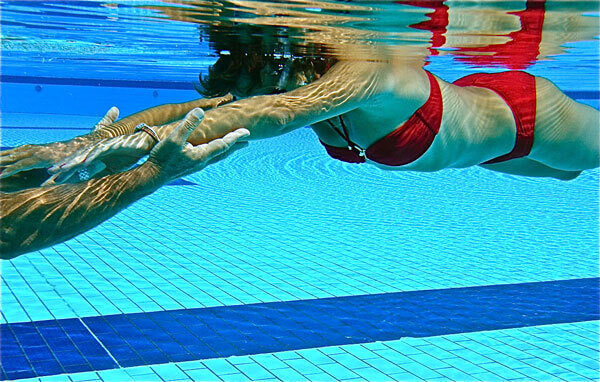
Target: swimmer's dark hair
(257, 62)
(224, 75)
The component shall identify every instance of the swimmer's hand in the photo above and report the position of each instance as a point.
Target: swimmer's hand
(29, 158)
(174, 157)
(103, 157)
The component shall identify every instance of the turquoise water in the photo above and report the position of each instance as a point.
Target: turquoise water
(279, 263)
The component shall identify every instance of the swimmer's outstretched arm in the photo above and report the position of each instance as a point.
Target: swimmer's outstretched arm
(26, 158)
(346, 86)
(158, 115)
(39, 217)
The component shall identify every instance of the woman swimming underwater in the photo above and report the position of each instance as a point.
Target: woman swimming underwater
(366, 103)
(389, 114)
(385, 110)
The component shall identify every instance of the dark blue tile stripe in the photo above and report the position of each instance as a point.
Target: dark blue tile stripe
(44, 128)
(190, 334)
(97, 82)
(576, 94)
(50, 347)
(583, 94)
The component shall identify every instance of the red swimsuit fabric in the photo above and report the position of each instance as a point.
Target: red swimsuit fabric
(518, 91)
(408, 142)
(411, 140)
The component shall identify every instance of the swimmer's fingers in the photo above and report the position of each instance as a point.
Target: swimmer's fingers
(118, 153)
(174, 157)
(21, 165)
(167, 152)
(75, 175)
(109, 118)
(208, 103)
(78, 158)
(178, 137)
(216, 148)
(14, 155)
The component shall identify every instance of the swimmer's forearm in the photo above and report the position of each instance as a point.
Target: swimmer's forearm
(36, 218)
(248, 113)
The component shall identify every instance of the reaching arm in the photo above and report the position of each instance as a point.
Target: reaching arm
(155, 116)
(23, 167)
(344, 87)
(36, 218)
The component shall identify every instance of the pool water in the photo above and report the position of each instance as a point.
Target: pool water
(279, 263)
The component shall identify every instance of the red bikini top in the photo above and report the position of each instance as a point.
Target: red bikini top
(405, 144)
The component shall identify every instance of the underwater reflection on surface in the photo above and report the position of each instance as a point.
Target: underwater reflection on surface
(511, 35)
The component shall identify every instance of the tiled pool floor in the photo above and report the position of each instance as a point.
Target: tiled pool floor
(362, 275)
(539, 353)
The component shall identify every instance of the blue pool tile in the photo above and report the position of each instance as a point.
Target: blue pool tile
(69, 358)
(349, 361)
(15, 364)
(18, 374)
(181, 357)
(499, 369)
(456, 374)
(315, 357)
(420, 371)
(304, 367)
(269, 361)
(220, 366)
(169, 372)
(339, 372)
(101, 362)
(360, 352)
(371, 374)
(47, 367)
(237, 377)
(180, 335)
(39, 353)
(202, 375)
(254, 371)
(288, 374)
(114, 375)
(77, 368)
(154, 356)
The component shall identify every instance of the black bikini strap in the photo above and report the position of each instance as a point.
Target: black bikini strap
(346, 136)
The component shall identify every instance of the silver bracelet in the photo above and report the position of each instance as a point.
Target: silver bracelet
(147, 129)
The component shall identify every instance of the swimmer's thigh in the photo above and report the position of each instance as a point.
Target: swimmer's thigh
(530, 167)
(566, 131)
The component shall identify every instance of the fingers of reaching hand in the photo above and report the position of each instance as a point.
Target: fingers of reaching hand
(71, 163)
(208, 103)
(216, 147)
(181, 133)
(109, 118)
(8, 157)
(91, 157)
(18, 166)
(75, 175)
